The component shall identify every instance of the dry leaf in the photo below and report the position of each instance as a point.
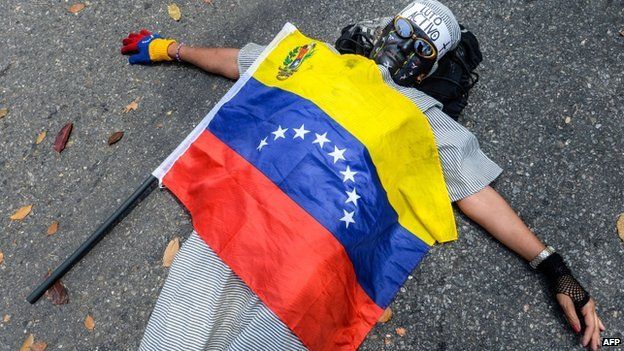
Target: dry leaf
(170, 252)
(21, 213)
(620, 226)
(132, 106)
(75, 8)
(401, 331)
(53, 228)
(115, 137)
(385, 316)
(40, 137)
(6, 318)
(27, 343)
(1, 257)
(38, 346)
(3, 112)
(209, 2)
(622, 33)
(174, 12)
(57, 293)
(89, 323)
(62, 137)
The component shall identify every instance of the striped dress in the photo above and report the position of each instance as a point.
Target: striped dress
(204, 306)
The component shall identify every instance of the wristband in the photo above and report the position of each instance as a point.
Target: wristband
(541, 256)
(177, 54)
(158, 49)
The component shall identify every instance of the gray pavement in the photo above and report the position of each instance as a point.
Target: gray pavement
(543, 61)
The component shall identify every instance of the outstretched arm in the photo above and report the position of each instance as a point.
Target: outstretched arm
(493, 213)
(221, 61)
(146, 48)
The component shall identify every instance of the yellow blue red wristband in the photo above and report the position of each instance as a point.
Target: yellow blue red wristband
(158, 49)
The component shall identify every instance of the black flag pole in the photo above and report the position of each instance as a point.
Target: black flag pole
(141, 192)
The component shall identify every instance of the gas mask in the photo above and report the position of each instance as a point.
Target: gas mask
(406, 51)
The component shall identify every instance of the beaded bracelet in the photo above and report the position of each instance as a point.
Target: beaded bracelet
(177, 55)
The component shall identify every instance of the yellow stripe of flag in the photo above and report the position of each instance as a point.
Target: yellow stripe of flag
(351, 90)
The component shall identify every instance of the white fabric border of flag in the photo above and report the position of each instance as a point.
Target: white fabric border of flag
(164, 167)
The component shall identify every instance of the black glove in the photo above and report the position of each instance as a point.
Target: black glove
(562, 281)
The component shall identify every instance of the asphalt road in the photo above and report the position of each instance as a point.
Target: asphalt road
(544, 61)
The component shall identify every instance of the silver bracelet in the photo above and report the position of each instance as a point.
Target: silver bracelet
(541, 256)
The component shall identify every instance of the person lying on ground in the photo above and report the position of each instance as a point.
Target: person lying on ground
(405, 55)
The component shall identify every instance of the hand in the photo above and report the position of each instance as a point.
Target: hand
(146, 48)
(593, 324)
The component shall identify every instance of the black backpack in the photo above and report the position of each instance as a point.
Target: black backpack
(452, 80)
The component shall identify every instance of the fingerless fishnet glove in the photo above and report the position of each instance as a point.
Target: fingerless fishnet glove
(562, 281)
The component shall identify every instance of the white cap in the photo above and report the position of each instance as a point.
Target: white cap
(437, 21)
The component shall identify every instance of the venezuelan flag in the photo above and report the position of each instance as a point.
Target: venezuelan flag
(318, 184)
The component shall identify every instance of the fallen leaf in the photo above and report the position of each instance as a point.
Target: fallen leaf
(21, 213)
(1, 257)
(38, 346)
(3, 112)
(27, 343)
(174, 12)
(620, 226)
(568, 120)
(132, 106)
(89, 323)
(622, 33)
(6, 318)
(57, 293)
(401, 331)
(75, 8)
(209, 2)
(385, 316)
(170, 252)
(62, 137)
(40, 137)
(115, 137)
(53, 228)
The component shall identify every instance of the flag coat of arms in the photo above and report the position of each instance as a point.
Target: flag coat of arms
(318, 185)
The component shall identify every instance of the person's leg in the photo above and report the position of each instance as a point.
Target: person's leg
(205, 306)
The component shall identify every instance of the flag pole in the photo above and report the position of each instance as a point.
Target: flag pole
(141, 192)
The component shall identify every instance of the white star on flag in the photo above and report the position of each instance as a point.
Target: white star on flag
(348, 175)
(348, 217)
(321, 139)
(279, 133)
(300, 132)
(262, 144)
(353, 197)
(337, 154)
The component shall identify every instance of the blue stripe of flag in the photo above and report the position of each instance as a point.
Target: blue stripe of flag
(383, 253)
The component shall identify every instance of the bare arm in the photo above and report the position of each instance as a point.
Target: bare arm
(492, 212)
(221, 61)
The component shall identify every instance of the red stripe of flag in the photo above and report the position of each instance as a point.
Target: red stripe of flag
(294, 265)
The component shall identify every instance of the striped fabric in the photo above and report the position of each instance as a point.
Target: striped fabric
(205, 306)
